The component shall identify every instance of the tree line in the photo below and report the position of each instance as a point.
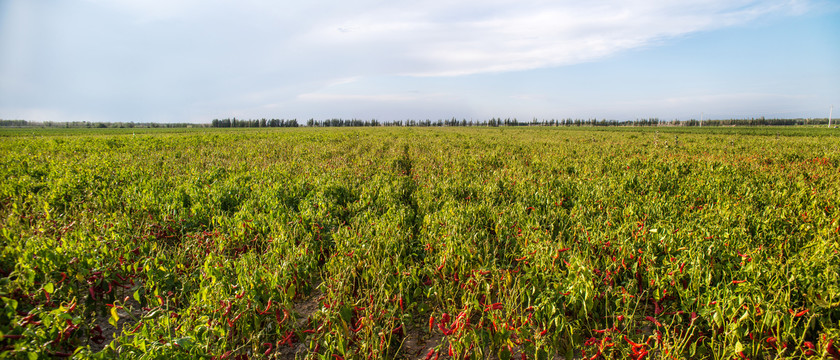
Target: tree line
(496, 122)
(492, 122)
(234, 122)
(93, 124)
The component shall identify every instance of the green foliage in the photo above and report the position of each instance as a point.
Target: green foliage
(402, 242)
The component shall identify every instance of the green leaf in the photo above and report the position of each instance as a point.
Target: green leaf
(11, 303)
(49, 288)
(152, 314)
(744, 317)
(183, 342)
(346, 314)
(739, 347)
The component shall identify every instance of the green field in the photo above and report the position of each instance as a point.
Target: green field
(420, 243)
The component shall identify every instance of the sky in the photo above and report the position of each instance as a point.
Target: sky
(196, 60)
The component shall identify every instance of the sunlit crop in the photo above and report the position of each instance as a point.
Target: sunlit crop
(417, 243)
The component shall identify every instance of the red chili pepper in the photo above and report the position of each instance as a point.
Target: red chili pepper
(797, 314)
(656, 308)
(231, 322)
(633, 344)
(738, 281)
(286, 339)
(442, 264)
(137, 328)
(494, 306)
(429, 354)
(809, 346)
(359, 326)
(639, 354)
(831, 350)
(270, 347)
(337, 357)
(277, 316)
(396, 330)
(71, 308)
(431, 323)
(267, 307)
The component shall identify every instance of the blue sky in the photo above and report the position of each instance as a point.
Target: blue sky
(192, 61)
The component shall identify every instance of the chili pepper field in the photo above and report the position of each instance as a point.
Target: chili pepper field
(420, 243)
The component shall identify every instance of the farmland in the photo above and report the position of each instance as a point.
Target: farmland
(420, 243)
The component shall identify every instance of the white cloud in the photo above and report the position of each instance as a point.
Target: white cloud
(426, 39)
(342, 81)
(146, 11)
(320, 97)
(446, 38)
